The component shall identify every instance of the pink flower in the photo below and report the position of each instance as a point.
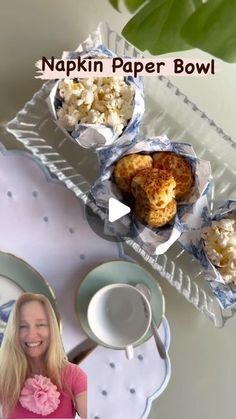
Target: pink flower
(40, 395)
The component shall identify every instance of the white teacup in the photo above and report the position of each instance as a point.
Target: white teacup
(119, 315)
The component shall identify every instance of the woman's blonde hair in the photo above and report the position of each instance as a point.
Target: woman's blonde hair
(13, 362)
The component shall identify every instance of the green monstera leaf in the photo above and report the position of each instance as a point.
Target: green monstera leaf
(162, 26)
(212, 28)
(157, 26)
(133, 5)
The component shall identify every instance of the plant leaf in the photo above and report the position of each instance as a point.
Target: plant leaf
(197, 3)
(115, 4)
(133, 5)
(156, 27)
(212, 28)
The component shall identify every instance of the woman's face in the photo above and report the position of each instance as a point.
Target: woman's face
(34, 333)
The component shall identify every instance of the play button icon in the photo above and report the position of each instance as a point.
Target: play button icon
(116, 223)
(116, 210)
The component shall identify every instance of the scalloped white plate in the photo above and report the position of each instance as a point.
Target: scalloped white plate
(127, 388)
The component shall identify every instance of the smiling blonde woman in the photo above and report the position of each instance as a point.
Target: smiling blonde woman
(36, 379)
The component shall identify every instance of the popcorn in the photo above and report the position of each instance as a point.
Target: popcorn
(96, 112)
(220, 246)
(102, 101)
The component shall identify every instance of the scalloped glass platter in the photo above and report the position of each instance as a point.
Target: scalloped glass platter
(169, 112)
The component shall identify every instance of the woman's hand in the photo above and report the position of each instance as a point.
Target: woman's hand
(81, 404)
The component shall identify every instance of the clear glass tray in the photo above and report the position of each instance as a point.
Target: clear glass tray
(168, 111)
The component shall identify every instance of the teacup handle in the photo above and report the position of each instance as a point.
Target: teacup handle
(129, 351)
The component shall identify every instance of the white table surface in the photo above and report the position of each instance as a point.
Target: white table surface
(203, 358)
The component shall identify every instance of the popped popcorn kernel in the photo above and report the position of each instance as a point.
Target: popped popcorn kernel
(102, 101)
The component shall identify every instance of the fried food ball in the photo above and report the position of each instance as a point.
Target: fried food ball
(154, 187)
(179, 167)
(127, 167)
(155, 217)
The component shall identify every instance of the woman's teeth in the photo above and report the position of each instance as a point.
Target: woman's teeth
(32, 345)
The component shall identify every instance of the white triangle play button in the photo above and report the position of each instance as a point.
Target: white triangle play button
(116, 210)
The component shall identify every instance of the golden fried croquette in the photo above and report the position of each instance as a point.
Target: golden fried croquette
(155, 217)
(127, 167)
(154, 187)
(179, 167)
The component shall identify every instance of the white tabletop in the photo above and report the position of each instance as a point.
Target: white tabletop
(203, 358)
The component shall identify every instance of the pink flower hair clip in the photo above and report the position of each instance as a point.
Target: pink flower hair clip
(40, 395)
